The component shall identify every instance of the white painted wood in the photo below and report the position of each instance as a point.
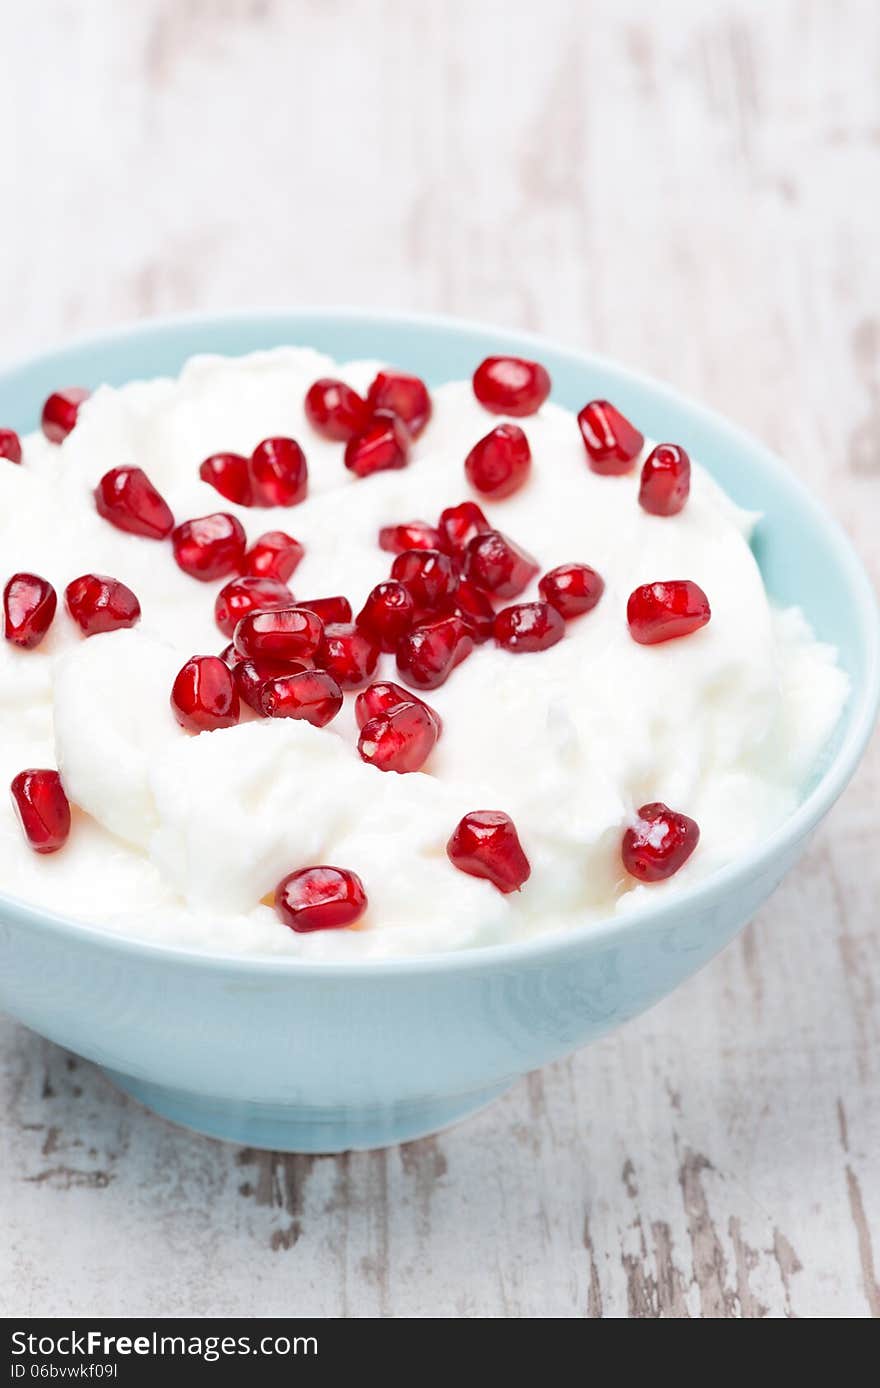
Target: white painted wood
(692, 188)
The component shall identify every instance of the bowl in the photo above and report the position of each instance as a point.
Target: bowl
(308, 1057)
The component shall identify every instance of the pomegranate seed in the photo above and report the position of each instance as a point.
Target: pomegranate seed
(486, 844)
(335, 609)
(659, 843)
(279, 473)
(126, 497)
(230, 656)
(285, 633)
(335, 410)
(348, 654)
(251, 676)
(42, 808)
(273, 555)
(529, 626)
(230, 475)
(428, 654)
(612, 443)
(666, 480)
(401, 740)
(662, 611)
(313, 695)
(403, 395)
(242, 596)
(413, 535)
(10, 445)
(429, 576)
(29, 604)
(320, 898)
(203, 696)
(387, 614)
(384, 697)
(500, 463)
(210, 547)
(383, 444)
(572, 589)
(511, 385)
(458, 526)
(60, 412)
(496, 565)
(98, 603)
(475, 611)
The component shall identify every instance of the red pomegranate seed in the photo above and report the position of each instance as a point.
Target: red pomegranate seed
(203, 696)
(662, 611)
(387, 614)
(29, 604)
(335, 609)
(529, 626)
(335, 410)
(312, 695)
(42, 808)
(273, 555)
(286, 633)
(659, 843)
(60, 412)
(98, 603)
(394, 539)
(428, 654)
(403, 395)
(612, 443)
(348, 654)
(251, 676)
(209, 547)
(511, 385)
(486, 844)
(279, 473)
(383, 698)
(383, 444)
(230, 475)
(500, 463)
(458, 526)
(475, 610)
(666, 480)
(230, 656)
(401, 740)
(428, 575)
(496, 565)
(126, 497)
(10, 445)
(572, 589)
(242, 596)
(320, 898)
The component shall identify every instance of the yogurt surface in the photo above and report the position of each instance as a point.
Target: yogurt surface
(179, 838)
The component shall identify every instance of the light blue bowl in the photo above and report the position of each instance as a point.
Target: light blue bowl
(326, 1057)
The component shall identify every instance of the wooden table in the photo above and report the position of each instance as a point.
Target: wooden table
(692, 188)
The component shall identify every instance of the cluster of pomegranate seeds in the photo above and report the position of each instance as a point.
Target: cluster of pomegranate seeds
(405, 396)
(394, 539)
(666, 480)
(334, 609)
(377, 432)
(242, 596)
(320, 898)
(495, 564)
(511, 385)
(500, 463)
(276, 474)
(313, 695)
(572, 589)
(428, 654)
(251, 675)
(336, 411)
(230, 475)
(612, 443)
(10, 445)
(348, 654)
(485, 844)
(528, 626)
(60, 412)
(42, 808)
(204, 696)
(284, 633)
(398, 730)
(274, 555)
(126, 497)
(98, 603)
(383, 444)
(29, 604)
(209, 547)
(663, 611)
(659, 843)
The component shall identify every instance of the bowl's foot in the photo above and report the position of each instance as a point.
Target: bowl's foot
(280, 1128)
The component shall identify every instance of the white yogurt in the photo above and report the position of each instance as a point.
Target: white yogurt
(179, 838)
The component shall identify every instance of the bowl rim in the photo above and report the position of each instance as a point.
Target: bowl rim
(859, 712)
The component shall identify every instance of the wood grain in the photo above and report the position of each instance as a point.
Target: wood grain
(691, 188)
